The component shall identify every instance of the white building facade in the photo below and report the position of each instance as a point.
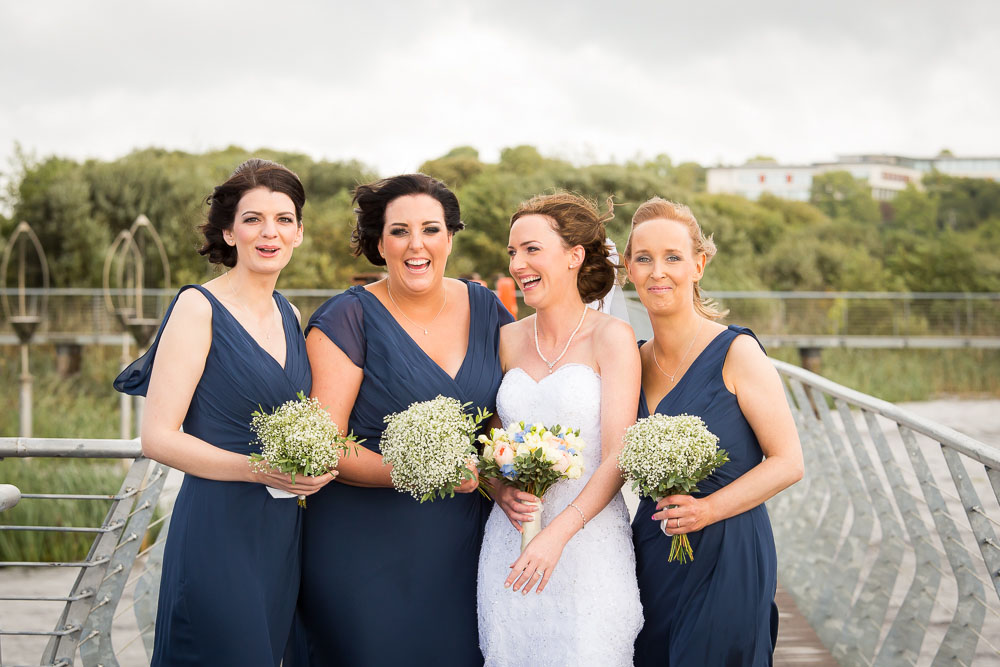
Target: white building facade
(886, 175)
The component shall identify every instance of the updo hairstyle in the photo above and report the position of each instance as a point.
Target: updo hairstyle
(254, 173)
(658, 208)
(373, 198)
(578, 222)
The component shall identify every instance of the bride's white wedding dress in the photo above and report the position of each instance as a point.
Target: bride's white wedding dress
(589, 613)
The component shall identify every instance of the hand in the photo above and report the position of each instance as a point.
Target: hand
(304, 485)
(517, 505)
(469, 485)
(536, 564)
(685, 514)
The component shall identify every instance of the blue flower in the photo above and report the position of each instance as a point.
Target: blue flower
(507, 470)
(519, 436)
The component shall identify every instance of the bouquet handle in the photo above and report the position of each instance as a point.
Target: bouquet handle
(531, 528)
(279, 494)
(680, 545)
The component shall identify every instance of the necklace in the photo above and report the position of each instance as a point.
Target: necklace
(236, 300)
(693, 338)
(555, 361)
(420, 326)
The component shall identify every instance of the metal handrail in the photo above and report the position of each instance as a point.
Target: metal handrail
(83, 628)
(891, 502)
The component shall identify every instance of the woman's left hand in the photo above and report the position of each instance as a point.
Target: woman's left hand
(535, 565)
(684, 514)
(471, 484)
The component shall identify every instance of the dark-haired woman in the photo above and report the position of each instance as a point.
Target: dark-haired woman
(571, 365)
(387, 580)
(225, 349)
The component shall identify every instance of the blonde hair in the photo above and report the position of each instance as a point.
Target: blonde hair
(658, 208)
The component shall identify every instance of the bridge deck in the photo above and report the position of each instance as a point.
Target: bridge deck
(797, 642)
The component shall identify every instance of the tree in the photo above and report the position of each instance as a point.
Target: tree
(842, 197)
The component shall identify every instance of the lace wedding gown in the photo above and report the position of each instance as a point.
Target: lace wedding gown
(589, 614)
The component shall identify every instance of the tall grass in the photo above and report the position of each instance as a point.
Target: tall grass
(909, 375)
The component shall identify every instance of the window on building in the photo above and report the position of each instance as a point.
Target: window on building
(788, 178)
(763, 178)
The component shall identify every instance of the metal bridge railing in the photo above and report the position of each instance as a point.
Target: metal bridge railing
(115, 578)
(889, 544)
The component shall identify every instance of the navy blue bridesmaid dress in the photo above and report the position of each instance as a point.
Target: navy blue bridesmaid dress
(387, 580)
(718, 609)
(231, 560)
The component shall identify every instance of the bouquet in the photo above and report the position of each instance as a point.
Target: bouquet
(531, 458)
(430, 447)
(298, 438)
(665, 456)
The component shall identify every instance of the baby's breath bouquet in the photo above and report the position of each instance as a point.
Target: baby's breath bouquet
(668, 455)
(298, 438)
(430, 446)
(531, 458)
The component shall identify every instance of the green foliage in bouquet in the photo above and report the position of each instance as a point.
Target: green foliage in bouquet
(298, 438)
(430, 446)
(668, 455)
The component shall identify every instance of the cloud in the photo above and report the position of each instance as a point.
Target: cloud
(395, 85)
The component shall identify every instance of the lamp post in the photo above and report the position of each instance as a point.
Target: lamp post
(29, 310)
(126, 292)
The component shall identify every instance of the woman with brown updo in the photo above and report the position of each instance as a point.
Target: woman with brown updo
(571, 597)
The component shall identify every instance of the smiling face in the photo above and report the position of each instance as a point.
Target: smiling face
(415, 243)
(544, 268)
(264, 231)
(663, 265)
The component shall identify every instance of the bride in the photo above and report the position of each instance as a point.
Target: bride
(571, 597)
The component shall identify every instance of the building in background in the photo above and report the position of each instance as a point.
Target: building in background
(886, 175)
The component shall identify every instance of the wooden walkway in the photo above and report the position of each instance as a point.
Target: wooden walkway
(797, 642)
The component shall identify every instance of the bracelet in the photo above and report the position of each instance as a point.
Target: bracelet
(582, 516)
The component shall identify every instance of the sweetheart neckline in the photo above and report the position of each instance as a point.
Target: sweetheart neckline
(555, 372)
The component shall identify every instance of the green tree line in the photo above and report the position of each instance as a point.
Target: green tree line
(944, 236)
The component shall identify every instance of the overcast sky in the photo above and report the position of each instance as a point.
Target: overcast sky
(393, 84)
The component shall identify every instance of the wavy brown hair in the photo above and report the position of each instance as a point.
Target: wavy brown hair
(578, 222)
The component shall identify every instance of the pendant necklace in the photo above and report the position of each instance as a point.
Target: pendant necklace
(420, 326)
(556, 360)
(693, 339)
(236, 300)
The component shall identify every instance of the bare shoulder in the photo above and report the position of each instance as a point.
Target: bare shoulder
(746, 351)
(295, 310)
(192, 306)
(610, 330)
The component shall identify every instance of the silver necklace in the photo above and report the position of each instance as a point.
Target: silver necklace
(693, 339)
(420, 326)
(236, 300)
(555, 361)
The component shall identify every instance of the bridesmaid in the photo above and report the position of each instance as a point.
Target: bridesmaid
(231, 561)
(718, 609)
(387, 580)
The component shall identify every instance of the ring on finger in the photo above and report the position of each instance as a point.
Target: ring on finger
(677, 522)
(540, 573)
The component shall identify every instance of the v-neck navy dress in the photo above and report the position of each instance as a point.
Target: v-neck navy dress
(231, 560)
(719, 608)
(387, 580)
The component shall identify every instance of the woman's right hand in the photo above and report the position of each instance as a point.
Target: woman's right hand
(517, 505)
(304, 484)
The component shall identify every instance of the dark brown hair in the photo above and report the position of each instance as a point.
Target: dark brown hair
(373, 198)
(578, 222)
(254, 173)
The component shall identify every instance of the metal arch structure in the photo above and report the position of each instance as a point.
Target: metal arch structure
(24, 319)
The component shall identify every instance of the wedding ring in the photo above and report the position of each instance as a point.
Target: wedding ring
(540, 573)
(677, 522)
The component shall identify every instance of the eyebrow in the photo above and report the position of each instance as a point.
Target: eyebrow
(425, 222)
(526, 243)
(636, 251)
(261, 214)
